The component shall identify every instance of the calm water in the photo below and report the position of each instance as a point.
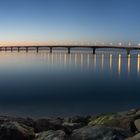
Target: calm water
(62, 84)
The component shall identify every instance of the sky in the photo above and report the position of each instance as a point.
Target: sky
(59, 21)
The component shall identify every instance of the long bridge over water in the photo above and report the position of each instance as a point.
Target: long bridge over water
(69, 47)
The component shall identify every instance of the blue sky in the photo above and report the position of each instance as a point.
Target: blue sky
(70, 20)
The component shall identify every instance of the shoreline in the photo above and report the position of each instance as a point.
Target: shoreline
(108, 126)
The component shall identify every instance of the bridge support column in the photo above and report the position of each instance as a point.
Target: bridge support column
(128, 51)
(94, 50)
(5, 48)
(27, 49)
(11, 49)
(37, 49)
(68, 50)
(0, 49)
(50, 49)
(18, 49)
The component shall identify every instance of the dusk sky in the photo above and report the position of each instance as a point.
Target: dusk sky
(70, 20)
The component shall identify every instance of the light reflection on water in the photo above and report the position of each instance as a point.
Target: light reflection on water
(67, 84)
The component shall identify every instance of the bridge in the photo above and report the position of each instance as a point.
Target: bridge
(69, 47)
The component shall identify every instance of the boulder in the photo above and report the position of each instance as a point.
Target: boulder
(77, 119)
(52, 135)
(112, 120)
(136, 137)
(69, 127)
(48, 124)
(99, 133)
(16, 131)
(137, 124)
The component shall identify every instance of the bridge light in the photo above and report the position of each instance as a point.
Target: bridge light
(120, 44)
(129, 44)
(139, 44)
(111, 44)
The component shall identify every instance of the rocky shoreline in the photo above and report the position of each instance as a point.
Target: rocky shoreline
(114, 126)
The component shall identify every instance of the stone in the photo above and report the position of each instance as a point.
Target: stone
(136, 137)
(69, 127)
(16, 131)
(77, 119)
(52, 135)
(99, 133)
(48, 124)
(137, 124)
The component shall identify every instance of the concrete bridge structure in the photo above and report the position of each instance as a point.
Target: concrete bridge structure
(69, 47)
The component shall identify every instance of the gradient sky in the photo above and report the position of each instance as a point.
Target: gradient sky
(70, 20)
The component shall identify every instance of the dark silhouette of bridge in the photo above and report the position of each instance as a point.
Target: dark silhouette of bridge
(69, 47)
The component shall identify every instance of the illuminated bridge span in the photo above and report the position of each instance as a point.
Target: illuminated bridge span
(94, 48)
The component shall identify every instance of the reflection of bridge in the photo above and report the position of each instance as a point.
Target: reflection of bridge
(69, 47)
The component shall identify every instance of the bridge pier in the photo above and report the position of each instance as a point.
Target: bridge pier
(50, 49)
(18, 49)
(5, 48)
(27, 49)
(94, 50)
(68, 50)
(37, 49)
(128, 51)
(11, 49)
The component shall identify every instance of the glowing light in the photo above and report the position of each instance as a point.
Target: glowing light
(120, 44)
(128, 64)
(88, 60)
(102, 61)
(119, 65)
(138, 64)
(95, 60)
(75, 59)
(81, 59)
(110, 61)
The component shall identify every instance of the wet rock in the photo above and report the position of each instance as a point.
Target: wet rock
(99, 133)
(136, 137)
(48, 124)
(127, 113)
(69, 127)
(16, 131)
(29, 122)
(77, 119)
(52, 135)
(101, 119)
(137, 124)
(112, 120)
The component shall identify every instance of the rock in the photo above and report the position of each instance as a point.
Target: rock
(127, 113)
(136, 137)
(137, 124)
(48, 124)
(102, 119)
(112, 120)
(16, 131)
(69, 127)
(52, 135)
(99, 133)
(138, 112)
(29, 122)
(77, 119)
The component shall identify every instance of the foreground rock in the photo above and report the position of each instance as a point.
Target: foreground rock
(114, 126)
(99, 133)
(16, 131)
(136, 137)
(52, 135)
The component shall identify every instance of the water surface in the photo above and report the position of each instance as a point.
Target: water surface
(60, 84)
